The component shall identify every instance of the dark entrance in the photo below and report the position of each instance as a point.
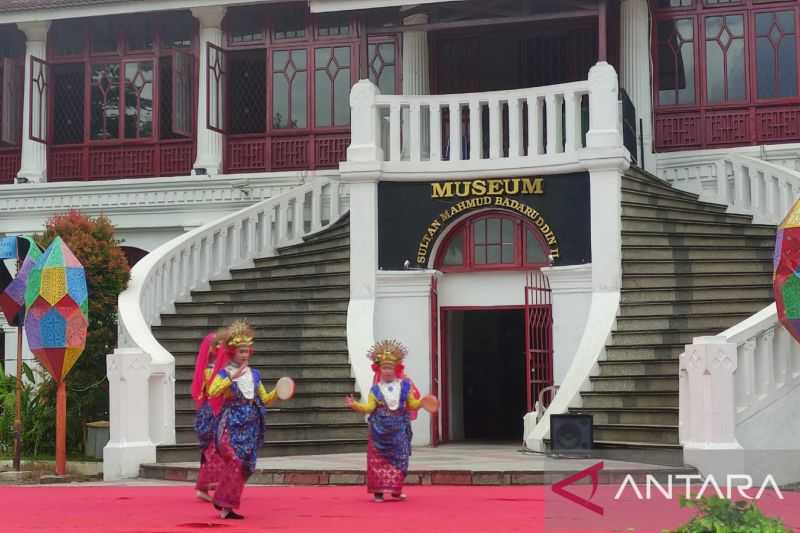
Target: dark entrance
(487, 374)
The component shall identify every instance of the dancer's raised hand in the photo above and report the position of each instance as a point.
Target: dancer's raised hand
(349, 401)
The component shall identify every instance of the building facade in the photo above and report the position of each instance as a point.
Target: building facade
(535, 189)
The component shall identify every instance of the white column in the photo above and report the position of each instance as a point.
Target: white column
(635, 70)
(34, 154)
(209, 143)
(416, 78)
(416, 74)
(130, 445)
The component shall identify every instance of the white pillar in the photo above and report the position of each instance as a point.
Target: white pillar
(209, 143)
(416, 74)
(130, 445)
(34, 154)
(635, 75)
(416, 78)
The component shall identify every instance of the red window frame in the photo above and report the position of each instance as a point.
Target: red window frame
(159, 153)
(466, 228)
(314, 145)
(706, 124)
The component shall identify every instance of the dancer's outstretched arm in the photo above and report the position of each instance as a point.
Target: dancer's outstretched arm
(363, 407)
(267, 398)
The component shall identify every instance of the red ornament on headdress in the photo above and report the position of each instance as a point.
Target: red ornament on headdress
(200, 365)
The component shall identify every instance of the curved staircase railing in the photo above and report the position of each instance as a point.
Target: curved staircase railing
(141, 372)
(747, 185)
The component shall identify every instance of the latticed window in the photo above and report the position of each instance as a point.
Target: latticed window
(726, 72)
(280, 90)
(493, 241)
(123, 91)
(12, 53)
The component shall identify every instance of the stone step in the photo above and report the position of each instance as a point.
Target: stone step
(640, 452)
(679, 227)
(652, 383)
(638, 352)
(638, 367)
(696, 253)
(322, 400)
(682, 267)
(320, 245)
(653, 281)
(331, 266)
(303, 256)
(286, 283)
(291, 432)
(264, 345)
(273, 292)
(338, 229)
(293, 415)
(178, 453)
(632, 338)
(656, 186)
(629, 400)
(260, 359)
(314, 306)
(716, 321)
(718, 293)
(691, 307)
(213, 321)
(656, 199)
(631, 416)
(635, 209)
(316, 371)
(653, 434)
(285, 331)
(342, 386)
(650, 238)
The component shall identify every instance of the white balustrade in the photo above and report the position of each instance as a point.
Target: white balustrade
(490, 131)
(169, 274)
(756, 364)
(747, 185)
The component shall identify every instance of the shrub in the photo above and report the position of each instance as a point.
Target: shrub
(720, 515)
(38, 415)
(107, 274)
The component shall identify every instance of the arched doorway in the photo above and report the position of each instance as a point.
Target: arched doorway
(494, 339)
(133, 254)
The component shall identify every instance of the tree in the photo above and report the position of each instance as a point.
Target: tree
(107, 273)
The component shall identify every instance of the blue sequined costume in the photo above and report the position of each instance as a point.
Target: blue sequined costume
(390, 431)
(244, 421)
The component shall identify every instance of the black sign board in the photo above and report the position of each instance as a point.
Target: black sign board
(413, 216)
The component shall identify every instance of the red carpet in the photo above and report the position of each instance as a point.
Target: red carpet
(292, 509)
(429, 509)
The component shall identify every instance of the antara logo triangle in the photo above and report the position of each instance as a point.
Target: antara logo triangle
(594, 473)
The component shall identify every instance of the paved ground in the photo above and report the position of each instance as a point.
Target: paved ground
(453, 464)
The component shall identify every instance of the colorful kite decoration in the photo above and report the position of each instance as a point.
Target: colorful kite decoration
(57, 303)
(12, 299)
(786, 278)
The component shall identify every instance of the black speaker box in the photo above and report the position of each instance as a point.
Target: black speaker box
(571, 434)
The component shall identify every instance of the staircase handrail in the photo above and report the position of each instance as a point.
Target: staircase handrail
(172, 271)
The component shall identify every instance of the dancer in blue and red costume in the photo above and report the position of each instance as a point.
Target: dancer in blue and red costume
(392, 405)
(240, 430)
(208, 411)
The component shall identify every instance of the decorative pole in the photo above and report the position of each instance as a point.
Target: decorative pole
(18, 415)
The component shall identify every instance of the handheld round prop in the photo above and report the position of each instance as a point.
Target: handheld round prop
(285, 388)
(430, 403)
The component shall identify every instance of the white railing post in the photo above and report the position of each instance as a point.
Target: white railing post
(603, 107)
(365, 130)
(710, 411)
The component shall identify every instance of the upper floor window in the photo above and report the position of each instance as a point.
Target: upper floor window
(122, 78)
(12, 54)
(720, 63)
(493, 241)
(287, 79)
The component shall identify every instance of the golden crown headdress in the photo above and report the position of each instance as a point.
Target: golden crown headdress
(387, 351)
(240, 333)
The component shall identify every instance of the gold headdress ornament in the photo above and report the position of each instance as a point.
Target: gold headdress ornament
(387, 351)
(240, 333)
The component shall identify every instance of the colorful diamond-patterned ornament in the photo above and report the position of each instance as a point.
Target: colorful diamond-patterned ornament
(57, 303)
(12, 299)
(786, 278)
